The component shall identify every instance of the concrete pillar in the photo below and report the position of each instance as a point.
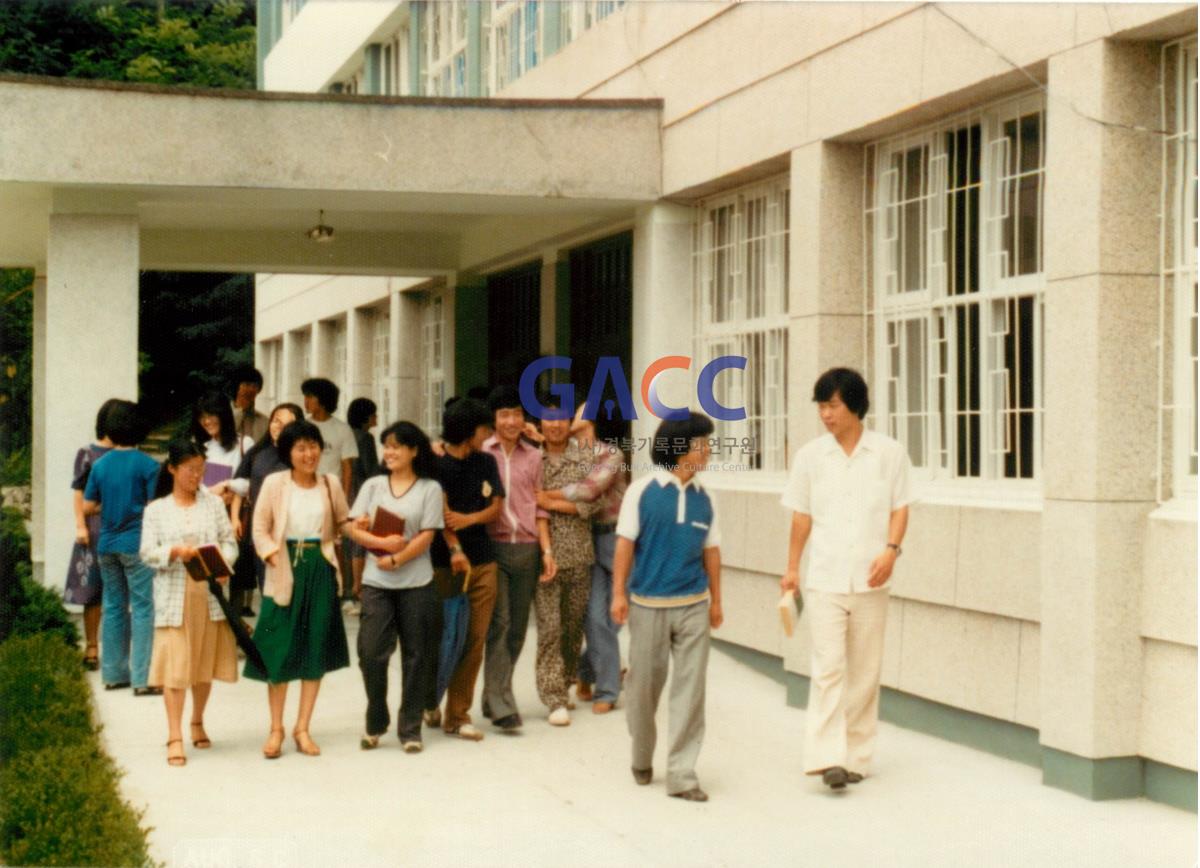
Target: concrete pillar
(404, 357)
(322, 350)
(1101, 324)
(475, 37)
(359, 332)
(289, 386)
(662, 311)
(827, 322)
(85, 351)
(38, 457)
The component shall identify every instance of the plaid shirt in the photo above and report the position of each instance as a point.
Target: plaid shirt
(604, 487)
(164, 525)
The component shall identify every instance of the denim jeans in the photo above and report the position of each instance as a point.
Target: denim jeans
(601, 662)
(125, 640)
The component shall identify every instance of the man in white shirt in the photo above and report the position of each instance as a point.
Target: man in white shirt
(849, 492)
(320, 402)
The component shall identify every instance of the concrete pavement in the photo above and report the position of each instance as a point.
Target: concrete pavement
(565, 797)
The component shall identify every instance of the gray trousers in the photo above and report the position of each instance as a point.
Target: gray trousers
(517, 568)
(659, 639)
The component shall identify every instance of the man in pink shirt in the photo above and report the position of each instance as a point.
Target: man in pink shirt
(521, 538)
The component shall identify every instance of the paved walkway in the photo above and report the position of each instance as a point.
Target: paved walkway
(564, 797)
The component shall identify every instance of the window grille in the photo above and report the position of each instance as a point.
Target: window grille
(512, 33)
(433, 367)
(1178, 294)
(954, 253)
(740, 292)
(380, 355)
(444, 42)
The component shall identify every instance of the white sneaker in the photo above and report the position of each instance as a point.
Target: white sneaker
(560, 717)
(468, 732)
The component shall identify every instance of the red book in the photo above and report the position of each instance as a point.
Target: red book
(209, 563)
(386, 523)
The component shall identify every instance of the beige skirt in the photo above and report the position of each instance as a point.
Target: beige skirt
(200, 651)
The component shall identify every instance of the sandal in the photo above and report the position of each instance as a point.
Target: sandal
(176, 759)
(369, 742)
(304, 743)
(202, 742)
(273, 746)
(91, 657)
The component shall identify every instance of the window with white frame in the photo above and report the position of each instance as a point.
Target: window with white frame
(512, 36)
(273, 357)
(433, 363)
(1179, 289)
(444, 43)
(380, 354)
(740, 275)
(579, 15)
(954, 263)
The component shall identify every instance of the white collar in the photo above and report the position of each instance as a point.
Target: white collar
(666, 477)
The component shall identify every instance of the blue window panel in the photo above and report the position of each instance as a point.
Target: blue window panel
(531, 34)
(460, 74)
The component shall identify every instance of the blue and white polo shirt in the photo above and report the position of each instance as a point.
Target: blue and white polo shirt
(671, 524)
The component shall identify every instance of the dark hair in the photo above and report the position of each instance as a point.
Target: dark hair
(408, 434)
(847, 383)
(360, 412)
(673, 439)
(102, 417)
(124, 423)
(265, 440)
(461, 419)
(245, 374)
(504, 397)
(293, 433)
(479, 393)
(610, 429)
(323, 390)
(214, 404)
(178, 451)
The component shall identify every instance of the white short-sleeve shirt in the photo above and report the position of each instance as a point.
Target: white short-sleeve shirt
(851, 499)
(339, 445)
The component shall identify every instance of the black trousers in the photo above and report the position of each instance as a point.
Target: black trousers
(414, 617)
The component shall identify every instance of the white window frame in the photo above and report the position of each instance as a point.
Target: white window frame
(444, 48)
(381, 337)
(928, 310)
(739, 242)
(500, 16)
(1177, 290)
(433, 361)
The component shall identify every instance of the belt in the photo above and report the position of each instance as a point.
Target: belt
(601, 529)
(298, 547)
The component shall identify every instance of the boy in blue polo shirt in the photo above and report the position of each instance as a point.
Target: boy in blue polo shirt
(667, 533)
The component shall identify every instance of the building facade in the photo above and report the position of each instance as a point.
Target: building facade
(991, 210)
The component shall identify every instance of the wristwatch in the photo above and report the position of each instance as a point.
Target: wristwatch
(456, 549)
(899, 551)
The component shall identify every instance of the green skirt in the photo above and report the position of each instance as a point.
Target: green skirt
(307, 638)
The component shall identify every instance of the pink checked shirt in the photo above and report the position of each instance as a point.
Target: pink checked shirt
(521, 473)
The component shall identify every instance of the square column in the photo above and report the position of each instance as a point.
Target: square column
(85, 352)
(404, 358)
(359, 335)
(827, 322)
(662, 312)
(1101, 324)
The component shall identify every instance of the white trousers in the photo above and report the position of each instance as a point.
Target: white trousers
(843, 696)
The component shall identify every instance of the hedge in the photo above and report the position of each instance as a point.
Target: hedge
(60, 801)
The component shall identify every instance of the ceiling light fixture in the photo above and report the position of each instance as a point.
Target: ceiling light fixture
(321, 233)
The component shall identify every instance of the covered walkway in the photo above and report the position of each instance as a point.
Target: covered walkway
(564, 797)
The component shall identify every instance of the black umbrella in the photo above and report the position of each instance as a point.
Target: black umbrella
(201, 571)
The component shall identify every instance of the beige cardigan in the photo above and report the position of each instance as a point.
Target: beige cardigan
(270, 524)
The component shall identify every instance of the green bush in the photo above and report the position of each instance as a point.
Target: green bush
(16, 468)
(62, 806)
(41, 612)
(44, 700)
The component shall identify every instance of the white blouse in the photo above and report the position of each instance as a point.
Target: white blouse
(306, 512)
(214, 453)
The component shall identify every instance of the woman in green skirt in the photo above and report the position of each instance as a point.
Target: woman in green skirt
(297, 520)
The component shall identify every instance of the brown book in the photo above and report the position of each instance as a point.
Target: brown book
(209, 564)
(386, 523)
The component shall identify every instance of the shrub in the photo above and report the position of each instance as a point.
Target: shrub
(41, 612)
(16, 468)
(62, 806)
(44, 700)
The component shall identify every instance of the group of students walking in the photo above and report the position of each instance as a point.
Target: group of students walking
(502, 517)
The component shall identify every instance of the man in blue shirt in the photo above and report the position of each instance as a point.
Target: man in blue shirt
(119, 487)
(667, 533)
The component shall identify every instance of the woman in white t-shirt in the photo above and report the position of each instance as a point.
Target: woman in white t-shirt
(398, 596)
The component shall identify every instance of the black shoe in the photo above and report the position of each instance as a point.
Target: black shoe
(835, 778)
(120, 685)
(853, 777)
(695, 794)
(642, 776)
(247, 612)
(487, 711)
(509, 723)
(147, 691)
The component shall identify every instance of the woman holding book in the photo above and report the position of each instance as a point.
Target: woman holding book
(214, 431)
(193, 644)
(396, 518)
(298, 518)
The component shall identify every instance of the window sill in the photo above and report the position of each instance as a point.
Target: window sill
(1023, 496)
(1181, 508)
